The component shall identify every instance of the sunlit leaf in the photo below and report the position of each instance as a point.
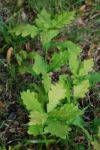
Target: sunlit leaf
(57, 128)
(66, 82)
(46, 82)
(40, 65)
(48, 35)
(25, 30)
(56, 94)
(58, 60)
(35, 130)
(43, 20)
(74, 52)
(63, 19)
(37, 118)
(81, 89)
(87, 66)
(69, 113)
(30, 101)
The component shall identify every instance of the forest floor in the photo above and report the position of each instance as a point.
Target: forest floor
(85, 31)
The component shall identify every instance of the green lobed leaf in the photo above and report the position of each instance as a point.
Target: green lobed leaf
(49, 28)
(68, 113)
(25, 30)
(87, 66)
(37, 118)
(46, 82)
(58, 60)
(63, 19)
(31, 101)
(73, 63)
(57, 128)
(66, 82)
(35, 130)
(47, 36)
(40, 66)
(74, 52)
(55, 94)
(42, 97)
(43, 20)
(81, 89)
(72, 47)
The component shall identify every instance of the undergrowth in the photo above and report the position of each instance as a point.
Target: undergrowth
(61, 80)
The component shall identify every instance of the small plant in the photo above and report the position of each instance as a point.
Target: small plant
(45, 26)
(53, 105)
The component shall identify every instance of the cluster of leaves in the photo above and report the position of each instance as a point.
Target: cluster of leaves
(45, 26)
(53, 105)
